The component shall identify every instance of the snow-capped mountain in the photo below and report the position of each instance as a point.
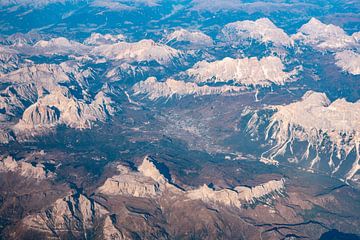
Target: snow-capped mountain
(262, 30)
(100, 39)
(58, 46)
(143, 51)
(324, 36)
(192, 39)
(245, 71)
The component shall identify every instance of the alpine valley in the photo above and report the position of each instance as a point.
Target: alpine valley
(179, 119)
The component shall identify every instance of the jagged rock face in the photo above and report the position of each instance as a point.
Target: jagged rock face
(240, 195)
(148, 169)
(42, 95)
(97, 39)
(261, 30)
(75, 215)
(21, 39)
(110, 232)
(5, 137)
(324, 37)
(154, 89)
(14, 100)
(57, 108)
(9, 60)
(48, 76)
(142, 51)
(330, 130)
(149, 182)
(126, 71)
(41, 115)
(348, 61)
(27, 84)
(9, 164)
(246, 71)
(194, 39)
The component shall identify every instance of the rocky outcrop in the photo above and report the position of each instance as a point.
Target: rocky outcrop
(154, 89)
(57, 108)
(49, 76)
(27, 84)
(246, 71)
(5, 136)
(43, 96)
(25, 169)
(126, 71)
(240, 195)
(330, 130)
(261, 30)
(131, 184)
(348, 61)
(9, 60)
(110, 231)
(149, 182)
(15, 98)
(75, 215)
(43, 86)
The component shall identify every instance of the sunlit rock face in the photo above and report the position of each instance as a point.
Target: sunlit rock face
(57, 108)
(74, 215)
(329, 129)
(111, 232)
(149, 182)
(245, 71)
(348, 61)
(323, 36)
(240, 195)
(22, 168)
(39, 96)
(154, 89)
(130, 184)
(261, 30)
